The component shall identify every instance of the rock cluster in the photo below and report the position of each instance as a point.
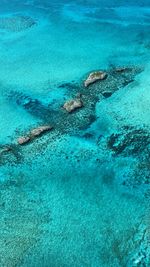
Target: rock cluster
(94, 77)
(116, 79)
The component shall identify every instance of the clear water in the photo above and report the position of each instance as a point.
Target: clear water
(73, 197)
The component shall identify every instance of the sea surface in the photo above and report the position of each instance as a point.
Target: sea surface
(78, 195)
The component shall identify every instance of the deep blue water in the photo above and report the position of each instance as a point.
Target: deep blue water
(79, 195)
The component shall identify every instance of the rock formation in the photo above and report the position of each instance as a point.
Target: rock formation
(33, 134)
(73, 104)
(94, 77)
(23, 140)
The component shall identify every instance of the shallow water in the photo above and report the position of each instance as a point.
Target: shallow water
(78, 195)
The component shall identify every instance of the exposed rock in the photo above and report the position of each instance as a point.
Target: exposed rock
(73, 104)
(45, 113)
(77, 121)
(40, 130)
(23, 140)
(94, 77)
(34, 133)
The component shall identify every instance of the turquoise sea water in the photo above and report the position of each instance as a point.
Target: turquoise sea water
(78, 196)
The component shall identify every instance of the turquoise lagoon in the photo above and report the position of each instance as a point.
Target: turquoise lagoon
(79, 195)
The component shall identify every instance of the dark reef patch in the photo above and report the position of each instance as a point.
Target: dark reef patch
(129, 142)
(31, 105)
(69, 86)
(136, 143)
(10, 154)
(16, 23)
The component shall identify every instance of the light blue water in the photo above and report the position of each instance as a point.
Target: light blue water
(78, 196)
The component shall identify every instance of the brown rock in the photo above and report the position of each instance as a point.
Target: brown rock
(33, 134)
(94, 77)
(40, 130)
(23, 140)
(73, 104)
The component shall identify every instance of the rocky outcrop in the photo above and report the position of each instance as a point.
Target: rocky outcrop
(115, 81)
(33, 134)
(88, 98)
(94, 77)
(40, 130)
(23, 140)
(73, 104)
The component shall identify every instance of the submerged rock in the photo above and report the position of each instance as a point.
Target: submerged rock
(122, 69)
(5, 149)
(73, 104)
(94, 77)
